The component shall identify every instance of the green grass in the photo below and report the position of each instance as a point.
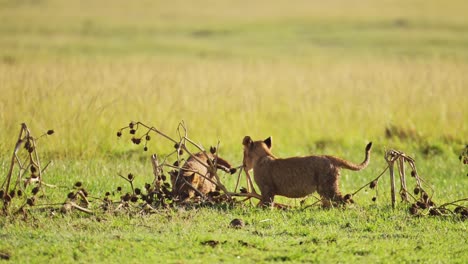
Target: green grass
(319, 76)
(359, 234)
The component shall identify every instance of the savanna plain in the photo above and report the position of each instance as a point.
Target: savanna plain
(320, 77)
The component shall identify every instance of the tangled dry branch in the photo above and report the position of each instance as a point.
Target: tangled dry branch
(421, 202)
(25, 173)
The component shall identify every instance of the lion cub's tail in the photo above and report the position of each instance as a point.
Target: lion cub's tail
(349, 165)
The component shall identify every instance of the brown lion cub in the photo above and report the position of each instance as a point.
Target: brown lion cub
(296, 176)
(191, 182)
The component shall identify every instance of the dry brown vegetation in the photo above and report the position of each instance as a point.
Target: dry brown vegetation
(20, 194)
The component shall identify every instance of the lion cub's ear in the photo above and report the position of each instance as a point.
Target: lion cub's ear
(268, 142)
(247, 141)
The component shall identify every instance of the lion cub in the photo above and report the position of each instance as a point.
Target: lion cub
(296, 176)
(190, 178)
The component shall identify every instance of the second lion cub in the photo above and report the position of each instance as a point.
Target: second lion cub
(195, 177)
(296, 177)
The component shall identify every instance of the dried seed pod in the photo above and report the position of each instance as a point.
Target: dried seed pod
(147, 186)
(145, 148)
(31, 201)
(126, 197)
(434, 212)
(425, 196)
(176, 163)
(137, 191)
(119, 133)
(237, 223)
(243, 190)
(33, 169)
(35, 190)
(131, 125)
(50, 132)
(132, 131)
(163, 177)
(12, 194)
(71, 195)
(107, 194)
(19, 193)
(232, 170)
(176, 145)
(148, 138)
(119, 189)
(78, 184)
(136, 141)
(413, 210)
(2, 192)
(7, 198)
(213, 150)
(421, 205)
(134, 199)
(416, 190)
(347, 197)
(413, 173)
(130, 176)
(374, 199)
(373, 184)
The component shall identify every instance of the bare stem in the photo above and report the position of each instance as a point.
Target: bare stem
(12, 163)
(367, 184)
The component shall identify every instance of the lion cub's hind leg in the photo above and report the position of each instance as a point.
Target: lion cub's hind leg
(329, 190)
(267, 200)
(268, 197)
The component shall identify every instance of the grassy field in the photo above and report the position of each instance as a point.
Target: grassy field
(320, 77)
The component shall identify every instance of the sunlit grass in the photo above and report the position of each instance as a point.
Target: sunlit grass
(310, 71)
(295, 103)
(317, 76)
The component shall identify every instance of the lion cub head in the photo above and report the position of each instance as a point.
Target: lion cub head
(254, 150)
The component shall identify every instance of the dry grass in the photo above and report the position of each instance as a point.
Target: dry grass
(294, 102)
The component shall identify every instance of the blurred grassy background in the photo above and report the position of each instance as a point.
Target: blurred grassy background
(319, 76)
(309, 73)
